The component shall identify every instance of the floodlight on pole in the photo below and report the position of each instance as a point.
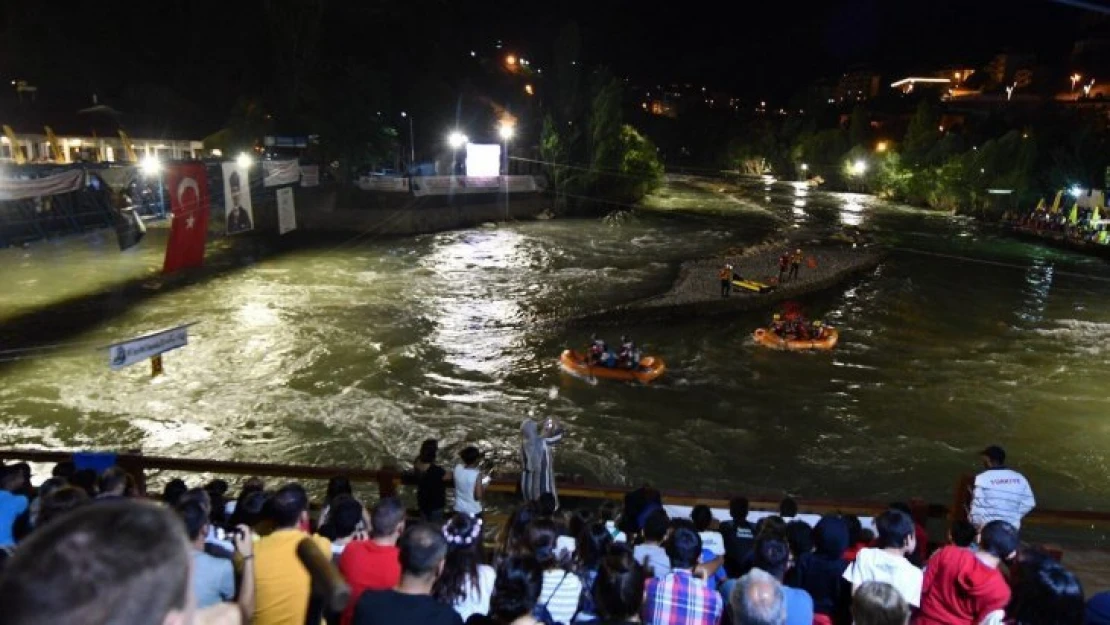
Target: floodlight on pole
(244, 160)
(859, 168)
(506, 131)
(150, 165)
(457, 139)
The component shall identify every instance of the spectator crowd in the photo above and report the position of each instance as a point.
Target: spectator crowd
(87, 548)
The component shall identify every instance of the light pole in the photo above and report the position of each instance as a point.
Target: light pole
(805, 168)
(456, 140)
(412, 142)
(1074, 79)
(506, 130)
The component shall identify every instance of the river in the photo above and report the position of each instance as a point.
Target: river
(352, 352)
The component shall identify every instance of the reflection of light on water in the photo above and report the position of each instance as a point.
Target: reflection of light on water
(475, 325)
(851, 214)
(799, 203)
(1038, 283)
(256, 314)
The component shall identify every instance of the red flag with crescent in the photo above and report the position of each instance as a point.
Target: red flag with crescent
(187, 186)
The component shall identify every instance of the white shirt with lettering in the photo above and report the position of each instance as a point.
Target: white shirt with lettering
(1000, 494)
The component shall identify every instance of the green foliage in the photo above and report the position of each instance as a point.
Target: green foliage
(921, 136)
(859, 129)
(640, 166)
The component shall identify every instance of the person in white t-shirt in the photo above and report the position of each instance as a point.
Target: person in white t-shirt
(1000, 494)
(886, 562)
(470, 486)
(711, 540)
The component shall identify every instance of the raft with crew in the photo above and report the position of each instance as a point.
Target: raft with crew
(796, 334)
(598, 361)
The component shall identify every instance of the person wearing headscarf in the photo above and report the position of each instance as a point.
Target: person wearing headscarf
(537, 474)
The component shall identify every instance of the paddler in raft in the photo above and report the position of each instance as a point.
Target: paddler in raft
(599, 354)
(630, 355)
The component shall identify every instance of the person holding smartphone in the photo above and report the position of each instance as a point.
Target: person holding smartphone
(470, 486)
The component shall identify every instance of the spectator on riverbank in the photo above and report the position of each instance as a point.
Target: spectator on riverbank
(799, 535)
(1000, 493)
(961, 533)
(638, 504)
(711, 540)
(374, 564)
(282, 584)
(343, 524)
(962, 587)
(738, 535)
(1046, 593)
(116, 562)
(173, 491)
(858, 537)
(757, 599)
(11, 504)
(650, 554)
(59, 502)
(592, 545)
(921, 551)
(561, 588)
(466, 584)
(469, 486)
(422, 549)
(820, 573)
(618, 592)
(113, 483)
(515, 593)
(338, 485)
(772, 555)
(213, 578)
(788, 509)
(85, 479)
(680, 597)
(887, 561)
(431, 482)
(879, 603)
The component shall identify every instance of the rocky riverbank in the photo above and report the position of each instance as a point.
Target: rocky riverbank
(696, 291)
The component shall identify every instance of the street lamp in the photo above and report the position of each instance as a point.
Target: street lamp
(1087, 88)
(881, 146)
(859, 168)
(510, 60)
(150, 165)
(805, 168)
(243, 160)
(412, 141)
(456, 140)
(1075, 79)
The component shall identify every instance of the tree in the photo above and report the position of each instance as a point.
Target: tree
(921, 135)
(604, 147)
(640, 167)
(859, 128)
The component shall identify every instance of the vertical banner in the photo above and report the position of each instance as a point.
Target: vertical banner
(237, 198)
(310, 175)
(187, 185)
(287, 214)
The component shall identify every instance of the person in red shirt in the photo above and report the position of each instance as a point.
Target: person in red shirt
(964, 587)
(374, 564)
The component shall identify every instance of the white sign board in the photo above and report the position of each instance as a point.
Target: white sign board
(130, 352)
(483, 159)
(287, 213)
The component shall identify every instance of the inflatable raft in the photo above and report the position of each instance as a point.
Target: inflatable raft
(766, 338)
(574, 363)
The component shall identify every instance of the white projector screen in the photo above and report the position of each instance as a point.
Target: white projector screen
(483, 159)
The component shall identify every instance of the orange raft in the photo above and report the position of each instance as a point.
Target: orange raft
(651, 367)
(766, 338)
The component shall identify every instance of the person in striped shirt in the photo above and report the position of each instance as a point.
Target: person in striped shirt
(681, 598)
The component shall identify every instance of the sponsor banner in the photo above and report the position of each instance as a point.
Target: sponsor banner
(280, 172)
(310, 175)
(138, 349)
(287, 213)
(449, 185)
(55, 184)
(237, 198)
(383, 183)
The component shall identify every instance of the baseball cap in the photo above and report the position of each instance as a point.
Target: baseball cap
(995, 453)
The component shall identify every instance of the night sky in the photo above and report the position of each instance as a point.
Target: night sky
(204, 54)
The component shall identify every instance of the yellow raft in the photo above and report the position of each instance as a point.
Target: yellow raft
(651, 367)
(766, 338)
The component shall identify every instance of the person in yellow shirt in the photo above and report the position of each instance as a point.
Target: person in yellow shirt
(282, 584)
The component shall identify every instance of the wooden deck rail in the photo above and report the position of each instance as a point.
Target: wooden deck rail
(389, 479)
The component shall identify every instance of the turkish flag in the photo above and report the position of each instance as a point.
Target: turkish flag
(188, 188)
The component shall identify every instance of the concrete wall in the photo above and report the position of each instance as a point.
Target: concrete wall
(342, 210)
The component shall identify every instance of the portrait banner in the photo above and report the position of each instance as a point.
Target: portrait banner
(287, 213)
(237, 198)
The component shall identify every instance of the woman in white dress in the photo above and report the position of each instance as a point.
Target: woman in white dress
(465, 583)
